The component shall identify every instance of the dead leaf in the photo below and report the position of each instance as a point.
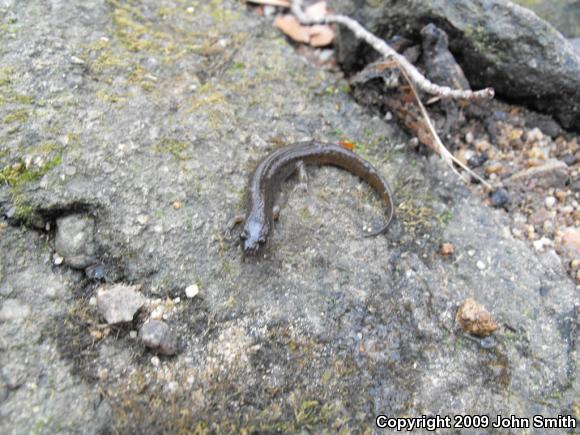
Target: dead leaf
(475, 319)
(321, 35)
(282, 3)
(290, 26)
(347, 144)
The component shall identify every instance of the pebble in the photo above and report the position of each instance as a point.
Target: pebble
(447, 249)
(96, 272)
(74, 240)
(493, 168)
(571, 241)
(475, 319)
(156, 334)
(57, 259)
(142, 219)
(133, 334)
(469, 137)
(77, 60)
(560, 195)
(548, 227)
(569, 159)
(119, 303)
(157, 313)
(499, 198)
(541, 244)
(539, 216)
(192, 291)
(480, 265)
(14, 310)
(550, 202)
(477, 160)
(155, 361)
(482, 146)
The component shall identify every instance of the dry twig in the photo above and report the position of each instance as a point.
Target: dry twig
(411, 74)
(383, 48)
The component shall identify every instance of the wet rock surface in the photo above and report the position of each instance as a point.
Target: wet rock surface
(329, 328)
(496, 42)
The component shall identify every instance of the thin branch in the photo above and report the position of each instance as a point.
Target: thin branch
(441, 149)
(383, 48)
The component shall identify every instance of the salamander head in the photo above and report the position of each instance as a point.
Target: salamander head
(253, 236)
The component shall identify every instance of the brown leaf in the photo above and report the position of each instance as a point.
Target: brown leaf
(321, 35)
(290, 26)
(283, 3)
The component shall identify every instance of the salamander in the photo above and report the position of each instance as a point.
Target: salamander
(280, 164)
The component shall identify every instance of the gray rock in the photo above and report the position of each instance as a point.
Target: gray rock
(156, 334)
(499, 44)
(14, 310)
(576, 45)
(119, 303)
(563, 14)
(74, 240)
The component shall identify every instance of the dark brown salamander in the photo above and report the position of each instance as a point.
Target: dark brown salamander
(280, 164)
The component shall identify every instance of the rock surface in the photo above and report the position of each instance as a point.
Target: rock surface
(175, 103)
(498, 44)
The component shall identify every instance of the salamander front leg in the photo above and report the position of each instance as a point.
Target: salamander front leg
(232, 223)
(302, 177)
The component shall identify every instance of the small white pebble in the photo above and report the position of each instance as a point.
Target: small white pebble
(165, 316)
(93, 301)
(480, 265)
(142, 219)
(469, 137)
(550, 202)
(517, 233)
(57, 259)
(155, 361)
(177, 300)
(388, 116)
(192, 291)
(133, 334)
(190, 10)
(77, 60)
(471, 252)
(541, 244)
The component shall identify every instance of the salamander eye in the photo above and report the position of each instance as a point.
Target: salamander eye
(244, 235)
